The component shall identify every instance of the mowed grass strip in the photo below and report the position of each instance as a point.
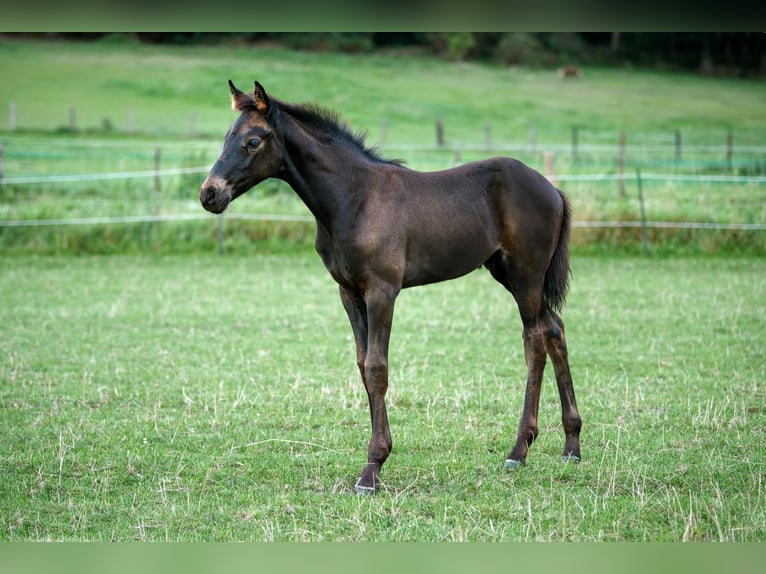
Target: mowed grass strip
(216, 398)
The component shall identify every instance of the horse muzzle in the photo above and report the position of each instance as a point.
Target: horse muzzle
(214, 196)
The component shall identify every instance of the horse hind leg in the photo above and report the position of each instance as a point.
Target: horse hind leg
(543, 334)
(528, 294)
(535, 355)
(570, 416)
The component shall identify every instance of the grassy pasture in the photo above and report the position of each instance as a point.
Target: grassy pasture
(170, 92)
(196, 397)
(209, 398)
(164, 85)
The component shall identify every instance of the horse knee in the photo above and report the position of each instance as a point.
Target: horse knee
(376, 374)
(360, 365)
(373, 366)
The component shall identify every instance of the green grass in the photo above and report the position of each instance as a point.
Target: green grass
(164, 87)
(209, 398)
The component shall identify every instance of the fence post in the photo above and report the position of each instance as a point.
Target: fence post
(12, 116)
(439, 132)
(621, 162)
(644, 238)
(157, 169)
(574, 142)
(729, 149)
(220, 234)
(154, 197)
(549, 167)
(678, 146)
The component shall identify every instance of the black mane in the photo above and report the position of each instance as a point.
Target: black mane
(332, 125)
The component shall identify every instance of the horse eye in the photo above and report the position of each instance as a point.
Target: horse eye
(253, 143)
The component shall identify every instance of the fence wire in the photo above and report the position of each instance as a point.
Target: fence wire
(26, 157)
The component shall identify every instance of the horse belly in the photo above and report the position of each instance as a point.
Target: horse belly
(440, 252)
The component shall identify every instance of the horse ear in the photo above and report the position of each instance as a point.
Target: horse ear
(240, 101)
(262, 102)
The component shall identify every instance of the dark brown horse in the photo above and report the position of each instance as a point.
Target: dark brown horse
(382, 227)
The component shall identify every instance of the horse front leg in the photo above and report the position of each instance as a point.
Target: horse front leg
(357, 316)
(379, 306)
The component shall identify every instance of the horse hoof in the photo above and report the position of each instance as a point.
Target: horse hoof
(364, 490)
(570, 458)
(511, 464)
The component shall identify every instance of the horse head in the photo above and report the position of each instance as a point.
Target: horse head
(252, 151)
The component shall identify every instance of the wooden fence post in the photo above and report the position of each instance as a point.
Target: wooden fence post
(729, 150)
(439, 132)
(575, 137)
(220, 234)
(153, 198)
(157, 169)
(549, 167)
(621, 163)
(644, 238)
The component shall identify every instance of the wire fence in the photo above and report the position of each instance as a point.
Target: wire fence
(105, 182)
(80, 178)
(85, 177)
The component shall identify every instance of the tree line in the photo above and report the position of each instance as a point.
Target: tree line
(741, 54)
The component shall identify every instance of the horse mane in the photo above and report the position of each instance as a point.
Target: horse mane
(332, 126)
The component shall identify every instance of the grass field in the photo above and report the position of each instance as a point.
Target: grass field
(216, 398)
(131, 100)
(161, 392)
(165, 85)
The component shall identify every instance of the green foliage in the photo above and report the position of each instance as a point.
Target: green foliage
(452, 45)
(520, 48)
(216, 398)
(350, 42)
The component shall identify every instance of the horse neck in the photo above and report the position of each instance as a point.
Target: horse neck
(324, 175)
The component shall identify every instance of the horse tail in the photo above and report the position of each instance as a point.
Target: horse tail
(556, 282)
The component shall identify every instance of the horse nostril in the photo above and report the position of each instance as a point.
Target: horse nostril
(207, 195)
